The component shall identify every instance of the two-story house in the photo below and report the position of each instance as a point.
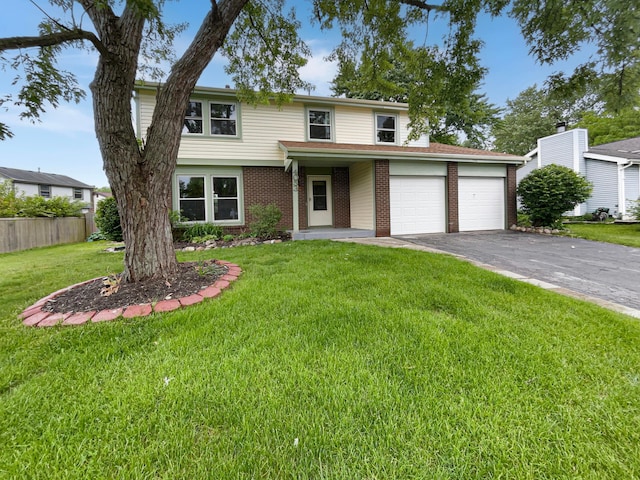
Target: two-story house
(330, 163)
(48, 185)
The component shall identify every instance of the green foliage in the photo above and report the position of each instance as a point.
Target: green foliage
(213, 232)
(9, 200)
(533, 114)
(97, 236)
(266, 218)
(606, 128)
(108, 219)
(634, 211)
(548, 192)
(176, 218)
(49, 207)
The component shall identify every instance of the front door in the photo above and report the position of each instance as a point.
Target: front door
(319, 200)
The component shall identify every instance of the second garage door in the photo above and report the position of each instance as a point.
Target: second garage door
(481, 204)
(417, 205)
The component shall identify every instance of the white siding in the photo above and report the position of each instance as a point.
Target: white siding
(27, 189)
(417, 168)
(361, 187)
(354, 125)
(631, 185)
(487, 170)
(604, 176)
(526, 169)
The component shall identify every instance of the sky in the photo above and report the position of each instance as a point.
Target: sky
(64, 141)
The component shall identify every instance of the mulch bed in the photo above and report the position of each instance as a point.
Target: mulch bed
(107, 293)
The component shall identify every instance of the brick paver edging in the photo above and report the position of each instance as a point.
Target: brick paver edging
(35, 316)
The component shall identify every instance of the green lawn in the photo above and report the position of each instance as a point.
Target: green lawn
(610, 232)
(326, 361)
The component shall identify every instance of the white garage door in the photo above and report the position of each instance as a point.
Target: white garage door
(417, 205)
(481, 203)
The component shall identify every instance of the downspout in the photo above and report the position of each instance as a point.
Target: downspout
(622, 201)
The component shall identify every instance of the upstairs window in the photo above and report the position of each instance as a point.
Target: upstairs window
(77, 193)
(224, 119)
(193, 119)
(191, 197)
(44, 191)
(319, 124)
(385, 128)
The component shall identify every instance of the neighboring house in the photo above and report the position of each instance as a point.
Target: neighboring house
(98, 197)
(335, 163)
(48, 185)
(613, 168)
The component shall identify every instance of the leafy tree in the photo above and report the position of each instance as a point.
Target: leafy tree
(606, 128)
(533, 114)
(548, 192)
(9, 200)
(259, 38)
(108, 219)
(454, 113)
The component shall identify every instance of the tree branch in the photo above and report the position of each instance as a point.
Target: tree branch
(15, 43)
(424, 5)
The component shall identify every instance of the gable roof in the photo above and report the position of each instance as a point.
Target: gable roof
(629, 148)
(41, 178)
(435, 151)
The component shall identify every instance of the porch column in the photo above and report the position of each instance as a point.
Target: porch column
(296, 204)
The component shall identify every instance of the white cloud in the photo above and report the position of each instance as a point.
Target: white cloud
(66, 119)
(319, 72)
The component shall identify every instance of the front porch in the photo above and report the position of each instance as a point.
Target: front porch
(329, 233)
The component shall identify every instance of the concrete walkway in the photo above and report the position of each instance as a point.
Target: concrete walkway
(399, 243)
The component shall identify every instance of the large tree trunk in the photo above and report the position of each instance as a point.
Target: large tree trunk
(140, 175)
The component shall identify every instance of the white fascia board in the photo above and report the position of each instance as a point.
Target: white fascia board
(608, 158)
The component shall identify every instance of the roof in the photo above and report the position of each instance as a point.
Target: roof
(629, 149)
(151, 87)
(435, 151)
(41, 178)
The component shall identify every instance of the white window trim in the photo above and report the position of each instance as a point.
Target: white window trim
(396, 130)
(237, 197)
(209, 173)
(332, 124)
(201, 118)
(210, 118)
(179, 198)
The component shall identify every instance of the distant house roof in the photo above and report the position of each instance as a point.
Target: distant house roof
(629, 149)
(41, 178)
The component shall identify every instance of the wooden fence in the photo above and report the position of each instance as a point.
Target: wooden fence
(23, 233)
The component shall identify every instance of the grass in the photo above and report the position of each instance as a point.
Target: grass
(325, 361)
(608, 232)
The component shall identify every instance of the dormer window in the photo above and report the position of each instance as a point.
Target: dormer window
(386, 128)
(193, 119)
(319, 124)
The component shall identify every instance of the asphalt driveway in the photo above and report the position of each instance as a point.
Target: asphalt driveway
(602, 270)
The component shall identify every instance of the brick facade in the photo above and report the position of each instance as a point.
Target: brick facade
(383, 208)
(512, 206)
(265, 185)
(341, 198)
(452, 198)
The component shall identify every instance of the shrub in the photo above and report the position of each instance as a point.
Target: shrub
(96, 236)
(9, 201)
(214, 232)
(108, 219)
(266, 218)
(634, 211)
(548, 192)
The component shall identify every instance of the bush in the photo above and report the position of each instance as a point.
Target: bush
(9, 201)
(548, 192)
(52, 207)
(266, 219)
(213, 232)
(108, 219)
(634, 211)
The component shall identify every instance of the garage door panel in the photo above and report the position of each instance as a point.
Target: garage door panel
(481, 204)
(417, 205)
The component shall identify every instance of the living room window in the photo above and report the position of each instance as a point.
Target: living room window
(193, 119)
(225, 198)
(192, 197)
(319, 124)
(386, 128)
(224, 118)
